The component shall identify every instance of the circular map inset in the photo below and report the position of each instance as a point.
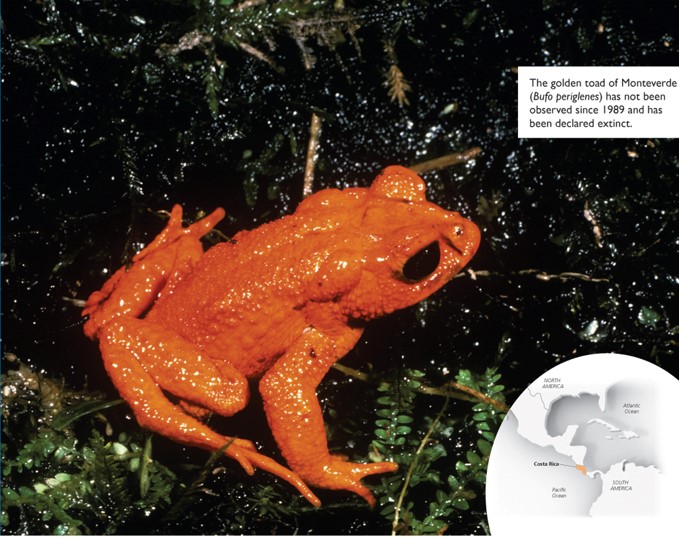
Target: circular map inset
(589, 447)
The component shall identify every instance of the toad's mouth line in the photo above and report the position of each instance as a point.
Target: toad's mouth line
(449, 243)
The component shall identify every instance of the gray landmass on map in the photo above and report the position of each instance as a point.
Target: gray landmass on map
(532, 486)
(611, 435)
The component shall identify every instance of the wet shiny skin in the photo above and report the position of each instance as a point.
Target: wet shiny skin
(281, 304)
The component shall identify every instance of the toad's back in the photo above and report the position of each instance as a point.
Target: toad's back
(243, 300)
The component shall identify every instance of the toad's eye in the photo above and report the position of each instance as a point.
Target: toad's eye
(423, 262)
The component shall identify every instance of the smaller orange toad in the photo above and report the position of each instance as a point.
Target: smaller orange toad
(281, 304)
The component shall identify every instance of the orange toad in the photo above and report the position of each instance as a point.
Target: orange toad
(281, 304)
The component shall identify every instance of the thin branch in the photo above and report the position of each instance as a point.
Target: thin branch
(446, 160)
(596, 229)
(353, 373)
(190, 40)
(480, 396)
(459, 391)
(538, 274)
(261, 56)
(411, 468)
(311, 154)
(250, 3)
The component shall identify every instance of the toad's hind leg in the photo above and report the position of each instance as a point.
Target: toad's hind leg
(143, 358)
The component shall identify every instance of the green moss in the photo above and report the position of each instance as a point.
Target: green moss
(428, 492)
(55, 482)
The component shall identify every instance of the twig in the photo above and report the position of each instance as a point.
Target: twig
(353, 373)
(480, 396)
(596, 229)
(190, 40)
(311, 154)
(250, 3)
(80, 303)
(538, 274)
(461, 392)
(446, 160)
(411, 468)
(307, 54)
(261, 56)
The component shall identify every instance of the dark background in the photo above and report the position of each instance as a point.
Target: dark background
(102, 127)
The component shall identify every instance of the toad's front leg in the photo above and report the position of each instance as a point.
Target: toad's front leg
(289, 393)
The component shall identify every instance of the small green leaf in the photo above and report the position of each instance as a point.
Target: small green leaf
(648, 317)
(119, 449)
(484, 447)
(464, 377)
(473, 458)
(67, 416)
(386, 400)
(435, 452)
(133, 464)
(65, 529)
(483, 426)
(25, 491)
(488, 436)
(432, 476)
(382, 434)
(453, 482)
(40, 488)
(461, 504)
(62, 477)
(387, 510)
(379, 446)
(10, 496)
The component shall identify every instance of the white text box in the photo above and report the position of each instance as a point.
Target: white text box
(598, 102)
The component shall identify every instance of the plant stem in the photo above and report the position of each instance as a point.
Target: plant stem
(411, 468)
(311, 154)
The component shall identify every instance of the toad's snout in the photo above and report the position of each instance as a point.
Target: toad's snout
(462, 237)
